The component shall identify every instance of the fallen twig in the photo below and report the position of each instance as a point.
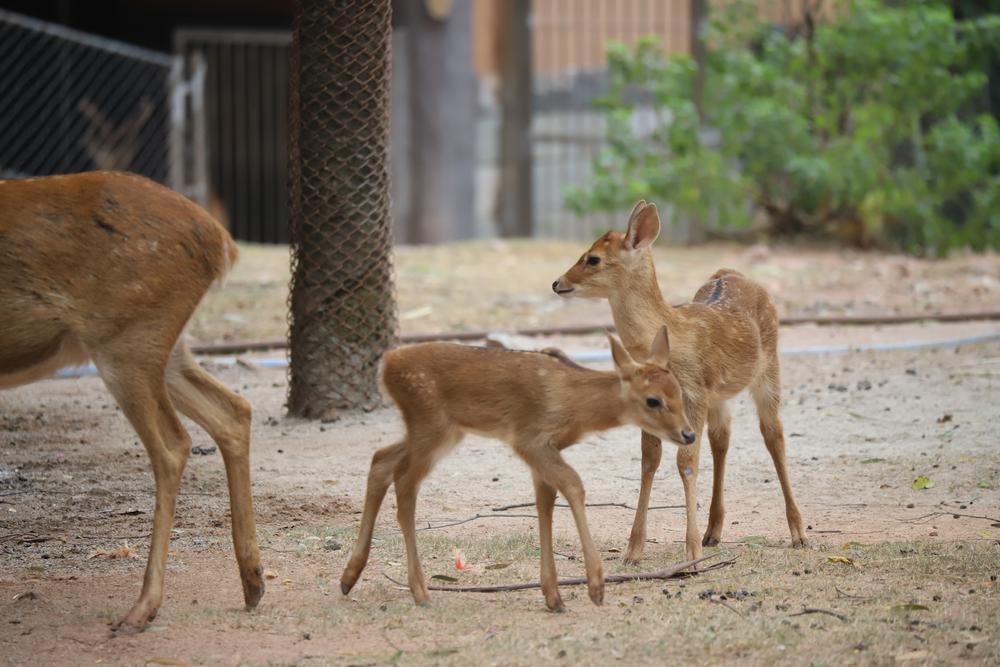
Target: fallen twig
(817, 610)
(934, 515)
(672, 572)
(727, 606)
(844, 594)
(459, 522)
(622, 505)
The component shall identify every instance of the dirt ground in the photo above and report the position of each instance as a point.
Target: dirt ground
(901, 575)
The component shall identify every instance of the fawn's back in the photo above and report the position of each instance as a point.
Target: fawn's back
(87, 256)
(494, 392)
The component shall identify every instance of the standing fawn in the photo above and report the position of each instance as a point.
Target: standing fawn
(539, 403)
(723, 342)
(109, 266)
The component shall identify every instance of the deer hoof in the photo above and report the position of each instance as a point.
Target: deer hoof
(709, 541)
(597, 594)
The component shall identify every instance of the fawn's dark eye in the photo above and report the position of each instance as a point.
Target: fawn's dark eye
(593, 261)
(653, 402)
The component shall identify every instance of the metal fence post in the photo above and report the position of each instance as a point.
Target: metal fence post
(342, 312)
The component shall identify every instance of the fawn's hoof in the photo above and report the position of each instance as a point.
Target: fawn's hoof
(124, 629)
(135, 621)
(633, 555)
(709, 541)
(799, 542)
(555, 604)
(253, 588)
(596, 593)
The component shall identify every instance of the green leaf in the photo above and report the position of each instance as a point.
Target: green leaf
(497, 566)
(444, 577)
(922, 482)
(873, 460)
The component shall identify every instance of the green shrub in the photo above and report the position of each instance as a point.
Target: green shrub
(865, 128)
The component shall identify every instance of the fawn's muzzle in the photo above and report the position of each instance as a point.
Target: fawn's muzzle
(559, 289)
(688, 437)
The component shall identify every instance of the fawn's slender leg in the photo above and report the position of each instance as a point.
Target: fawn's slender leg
(226, 417)
(545, 500)
(767, 395)
(687, 466)
(422, 451)
(384, 464)
(547, 462)
(718, 438)
(140, 390)
(652, 451)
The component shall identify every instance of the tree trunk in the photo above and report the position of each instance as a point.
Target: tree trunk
(514, 193)
(343, 313)
(442, 127)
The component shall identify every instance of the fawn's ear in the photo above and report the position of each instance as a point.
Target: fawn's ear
(624, 363)
(659, 351)
(643, 226)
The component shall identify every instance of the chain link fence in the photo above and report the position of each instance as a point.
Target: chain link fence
(76, 102)
(342, 305)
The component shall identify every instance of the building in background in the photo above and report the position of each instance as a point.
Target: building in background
(448, 120)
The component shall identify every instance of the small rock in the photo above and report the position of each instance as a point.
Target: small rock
(203, 451)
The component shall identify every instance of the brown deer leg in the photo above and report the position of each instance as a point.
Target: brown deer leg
(767, 396)
(142, 396)
(545, 499)
(408, 475)
(226, 417)
(652, 450)
(547, 462)
(384, 464)
(718, 438)
(687, 466)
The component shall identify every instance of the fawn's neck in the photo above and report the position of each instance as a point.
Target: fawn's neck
(597, 402)
(639, 310)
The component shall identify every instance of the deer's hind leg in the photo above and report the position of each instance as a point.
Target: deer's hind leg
(545, 500)
(138, 385)
(380, 475)
(425, 445)
(719, 421)
(226, 417)
(767, 396)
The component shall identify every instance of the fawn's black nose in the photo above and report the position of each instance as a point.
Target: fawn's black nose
(688, 437)
(555, 286)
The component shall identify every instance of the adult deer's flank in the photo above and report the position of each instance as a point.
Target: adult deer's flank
(109, 266)
(724, 341)
(539, 403)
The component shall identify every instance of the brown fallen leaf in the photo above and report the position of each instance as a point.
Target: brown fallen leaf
(124, 551)
(840, 559)
(944, 419)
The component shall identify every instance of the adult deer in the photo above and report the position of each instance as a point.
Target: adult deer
(724, 341)
(109, 266)
(539, 403)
